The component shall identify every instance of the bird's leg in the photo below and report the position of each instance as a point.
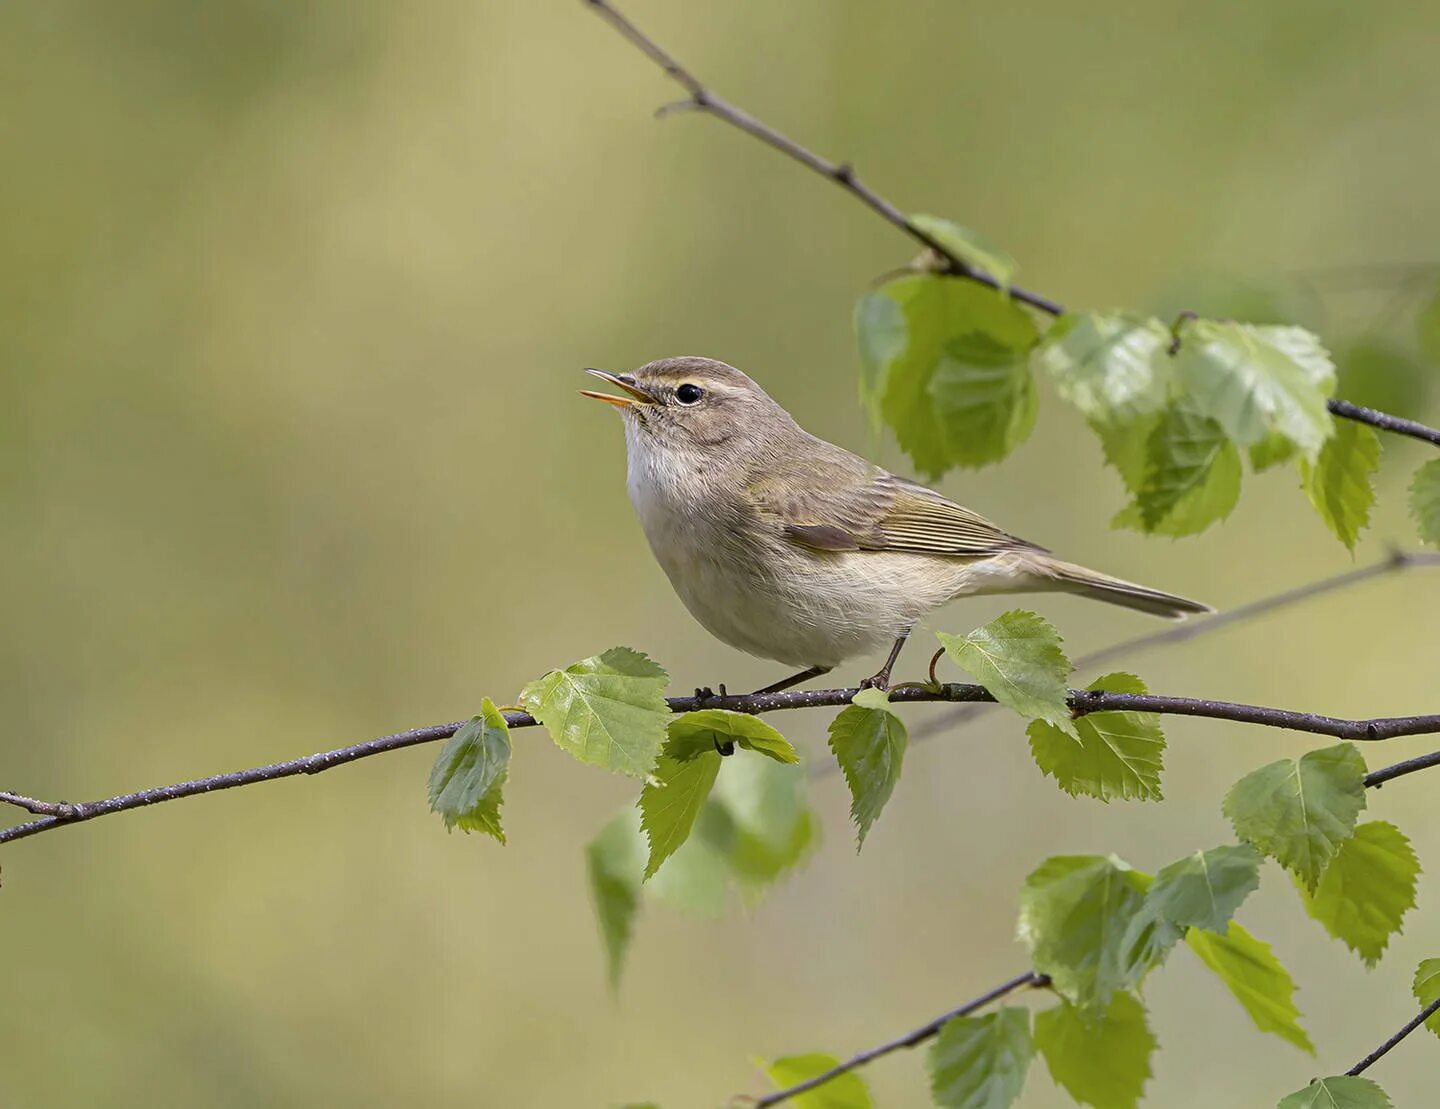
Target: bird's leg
(794, 679)
(881, 679)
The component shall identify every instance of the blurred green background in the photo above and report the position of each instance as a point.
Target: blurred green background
(292, 303)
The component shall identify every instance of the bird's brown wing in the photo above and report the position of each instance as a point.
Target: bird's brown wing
(842, 503)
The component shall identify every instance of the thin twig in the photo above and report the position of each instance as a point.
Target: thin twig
(1410, 1026)
(910, 1039)
(1082, 702)
(1377, 778)
(706, 100)
(30, 804)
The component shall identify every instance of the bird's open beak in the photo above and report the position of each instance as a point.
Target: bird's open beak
(626, 382)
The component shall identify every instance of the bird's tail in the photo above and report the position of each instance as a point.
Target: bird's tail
(1069, 578)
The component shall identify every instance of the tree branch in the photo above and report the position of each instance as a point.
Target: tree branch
(704, 99)
(1082, 702)
(926, 1031)
(1410, 1026)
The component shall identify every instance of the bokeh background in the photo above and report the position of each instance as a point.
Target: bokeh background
(292, 303)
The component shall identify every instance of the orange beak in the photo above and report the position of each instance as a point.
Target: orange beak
(637, 394)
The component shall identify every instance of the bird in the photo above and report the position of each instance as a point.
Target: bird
(791, 548)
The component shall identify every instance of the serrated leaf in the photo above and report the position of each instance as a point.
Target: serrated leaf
(1341, 1092)
(706, 730)
(615, 863)
(1191, 477)
(1427, 990)
(958, 391)
(1250, 971)
(880, 334)
(1126, 447)
(1100, 1059)
(848, 1091)
(1113, 367)
(1202, 890)
(1074, 914)
(1338, 484)
(969, 247)
(1366, 890)
(672, 799)
(759, 821)
(608, 710)
(1299, 811)
(981, 1062)
(1017, 657)
(1257, 380)
(1273, 450)
(1117, 754)
(1425, 501)
(467, 782)
(868, 739)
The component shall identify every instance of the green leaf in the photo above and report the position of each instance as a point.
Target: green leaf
(758, 821)
(1074, 913)
(1112, 367)
(1101, 1059)
(1299, 811)
(706, 730)
(1273, 450)
(1338, 484)
(1191, 477)
(969, 247)
(467, 782)
(1203, 890)
(1126, 446)
(981, 1062)
(959, 391)
(869, 740)
(1250, 971)
(615, 861)
(1427, 990)
(695, 879)
(608, 710)
(845, 1092)
(1341, 1092)
(1118, 754)
(672, 799)
(1366, 890)
(1425, 501)
(880, 333)
(1018, 659)
(1257, 380)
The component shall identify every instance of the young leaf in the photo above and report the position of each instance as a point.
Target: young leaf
(1118, 754)
(1425, 501)
(869, 740)
(1017, 657)
(759, 822)
(1203, 890)
(1074, 912)
(608, 710)
(672, 799)
(707, 730)
(958, 390)
(1338, 484)
(467, 782)
(1126, 446)
(1273, 450)
(615, 861)
(1427, 990)
(1366, 890)
(1101, 1059)
(1191, 477)
(981, 1062)
(695, 879)
(1250, 971)
(1112, 367)
(881, 335)
(1299, 811)
(969, 247)
(845, 1092)
(1256, 380)
(1341, 1092)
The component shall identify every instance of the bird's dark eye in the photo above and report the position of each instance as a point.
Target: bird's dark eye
(689, 394)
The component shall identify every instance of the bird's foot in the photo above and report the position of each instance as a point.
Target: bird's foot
(880, 681)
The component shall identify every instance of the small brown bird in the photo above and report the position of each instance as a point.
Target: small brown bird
(793, 549)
